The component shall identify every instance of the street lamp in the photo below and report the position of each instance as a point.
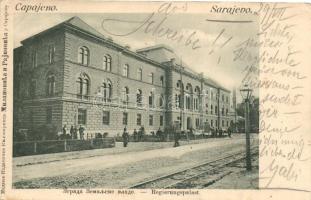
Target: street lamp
(246, 93)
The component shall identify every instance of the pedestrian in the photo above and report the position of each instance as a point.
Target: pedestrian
(81, 132)
(229, 132)
(135, 135)
(176, 138)
(64, 130)
(125, 137)
(159, 134)
(72, 132)
(142, 133)
(75, 133)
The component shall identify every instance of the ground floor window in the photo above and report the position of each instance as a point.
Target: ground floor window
(227, 123)
(48, 115)
(106, 116)
(223, 123)
(125, 118)
(81, 116)
(138, 119)
(150, 120)
(212, 123)
(197, 123)
(161, 120)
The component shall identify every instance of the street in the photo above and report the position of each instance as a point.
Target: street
(119, 167)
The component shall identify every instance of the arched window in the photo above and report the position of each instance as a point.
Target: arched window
(109, 90)
(83, 86)
(139, 97)
(79, 86)
(107, 63)
(125, 95)
(50, 85)
(126, 70)
(84, 56)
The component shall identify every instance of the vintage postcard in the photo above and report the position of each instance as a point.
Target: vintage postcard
(155, 100)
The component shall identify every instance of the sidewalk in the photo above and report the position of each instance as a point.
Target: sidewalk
(109, 159)
(119, 149)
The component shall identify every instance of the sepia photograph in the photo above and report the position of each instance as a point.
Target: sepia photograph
(154, 100)
(135, 101)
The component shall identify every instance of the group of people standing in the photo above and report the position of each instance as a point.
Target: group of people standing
(73, 132)
(138, 135)
(219, 132)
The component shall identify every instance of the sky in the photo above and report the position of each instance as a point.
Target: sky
(217, 41)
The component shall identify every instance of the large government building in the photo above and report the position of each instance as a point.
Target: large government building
(71, 74)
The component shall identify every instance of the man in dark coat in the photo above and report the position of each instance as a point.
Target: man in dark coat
(125, 137)
(135, 135)
(72, 132)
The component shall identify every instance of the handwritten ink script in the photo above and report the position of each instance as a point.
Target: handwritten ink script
(274, 69)
(154, 24)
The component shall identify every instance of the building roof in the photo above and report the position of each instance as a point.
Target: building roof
(78, 23)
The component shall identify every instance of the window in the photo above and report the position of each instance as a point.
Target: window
(51, 54)
(83, 86)
(197, 123)
(216, 111)
(109, 90)
(195, 103)
(107, 63)
(212, 123)
(84, 56)
(161, 120)
(125, 95)
(177, 102)
(138, 120)
(151, 78)
(151, 99)
(139, 97)
(32, 88)
(150, 120)
(222, 111)
(227, 99)
(226, 111)
(162, 80)
(161, 100)
(126, 70)
(48, 115)
(50, 83)
(222, 98)
(212, 109)
(222, 123)
(106, 117)
(140, 74)
(206, 108)
(124, 120)
(82, 116)
(34, 59)
(227, 123)
(188, 102)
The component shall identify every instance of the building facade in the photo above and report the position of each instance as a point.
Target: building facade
(71, 74)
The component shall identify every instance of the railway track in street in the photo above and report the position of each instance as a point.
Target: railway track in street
(210, 172)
